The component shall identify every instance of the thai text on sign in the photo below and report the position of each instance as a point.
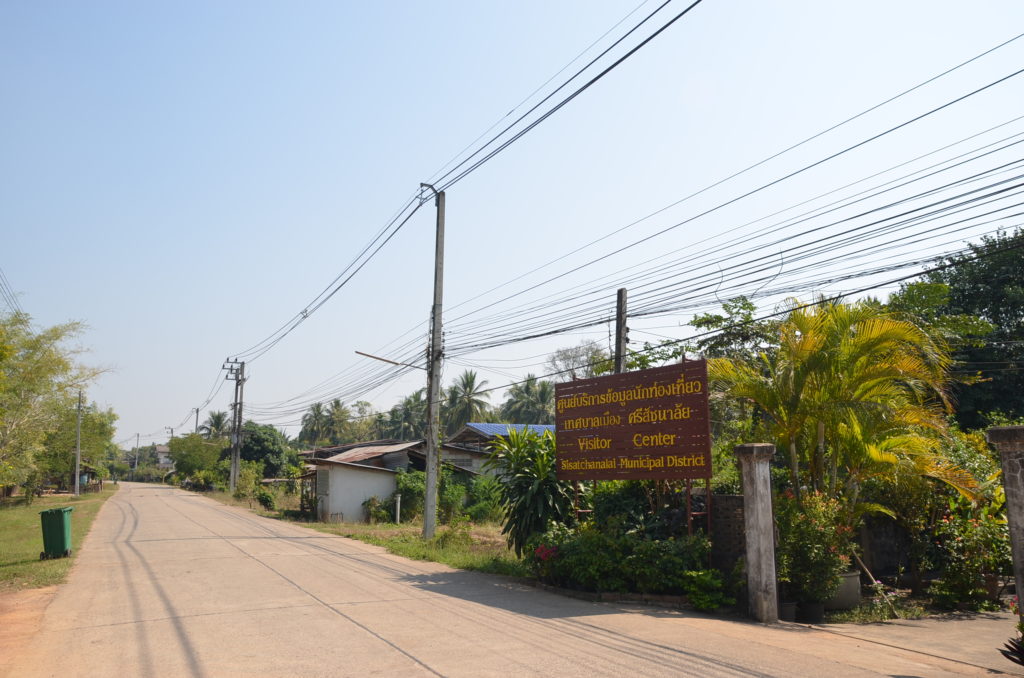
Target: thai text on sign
(647, 424)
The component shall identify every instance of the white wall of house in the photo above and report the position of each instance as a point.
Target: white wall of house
(341, 497)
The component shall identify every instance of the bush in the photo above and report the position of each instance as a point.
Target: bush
(814, 545)
(972, 548)
(485, 500)
(376, 511)
(412, 485)
(266, 499)
(594, 560)
(531, 494)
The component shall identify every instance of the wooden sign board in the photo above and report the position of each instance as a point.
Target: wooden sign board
(647, 424)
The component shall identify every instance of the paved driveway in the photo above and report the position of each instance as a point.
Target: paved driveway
(173, 584)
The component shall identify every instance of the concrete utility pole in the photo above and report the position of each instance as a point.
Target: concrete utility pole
(197, 420)
(136, 466)
(435, 351)
(621, 332)
(78, 447)
(236, 372)
(1009, 442)
(759, 529)
(171, 429)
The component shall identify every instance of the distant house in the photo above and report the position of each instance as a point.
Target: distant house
(356, 472)
(163, 457)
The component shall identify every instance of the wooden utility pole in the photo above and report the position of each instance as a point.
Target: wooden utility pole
(621, 332)
(78, 447)
(435, 351)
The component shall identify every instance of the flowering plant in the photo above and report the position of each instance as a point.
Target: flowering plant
(814, 545)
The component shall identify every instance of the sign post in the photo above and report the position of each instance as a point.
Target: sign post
(648, 424)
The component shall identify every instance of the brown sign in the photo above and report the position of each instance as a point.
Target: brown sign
(648, 424)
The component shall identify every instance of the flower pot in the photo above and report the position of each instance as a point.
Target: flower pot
(810, 613)
(787, 612)
(847, 596)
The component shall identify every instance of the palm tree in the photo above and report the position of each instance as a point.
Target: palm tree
(849, 372)
(466, 400)
(530, 402)
(338, 416)
(216, 425)
(412, 416)
(314, 424)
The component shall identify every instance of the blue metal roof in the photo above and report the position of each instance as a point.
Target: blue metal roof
(491, 430)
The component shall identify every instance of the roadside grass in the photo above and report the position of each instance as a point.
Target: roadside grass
(480, 548)
(873, 610)
(21, 539)
(467, 546)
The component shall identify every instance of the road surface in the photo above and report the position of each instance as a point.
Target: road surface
(171, 583)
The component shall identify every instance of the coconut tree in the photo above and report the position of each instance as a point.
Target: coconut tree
(314, 424)
(530, 402)
(216, 425)
(465, 401)
(338, 416)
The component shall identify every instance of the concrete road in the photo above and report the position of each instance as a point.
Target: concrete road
(173, 584)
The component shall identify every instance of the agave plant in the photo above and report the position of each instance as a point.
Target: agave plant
(531, 492)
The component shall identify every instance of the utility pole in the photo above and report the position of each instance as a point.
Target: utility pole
(78, 446)
(197, 420)
(171, 429)
(136, 466)
(435, 352)
(621, 332)
(236, 372)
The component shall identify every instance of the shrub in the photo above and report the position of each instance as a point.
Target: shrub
(376, 510)
(485, 500)
(590, 559)
(814, 545)
(456, 534)
(532, 494)
(266, 499)
(971, 547)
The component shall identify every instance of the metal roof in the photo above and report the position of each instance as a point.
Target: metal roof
(492, 430)
(364, 467)
(370, 451)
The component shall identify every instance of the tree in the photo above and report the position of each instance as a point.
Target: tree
(583, 361)
(314, 425)
(407, 420)
(988, 282)
(847, 376)
(216, 425)
(266, 445)
(56, 461)
(193, 453)
(530, 402)
(338, 422)
(39, 377)
(466, 401)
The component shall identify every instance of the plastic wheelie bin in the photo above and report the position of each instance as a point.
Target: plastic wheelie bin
(56, 533)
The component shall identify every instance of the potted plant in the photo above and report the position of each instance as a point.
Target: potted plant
(813, 550)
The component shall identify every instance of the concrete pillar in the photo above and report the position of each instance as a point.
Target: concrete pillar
(759, 528)
(1009, 442)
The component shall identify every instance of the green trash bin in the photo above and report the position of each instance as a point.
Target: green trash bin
(56, 533)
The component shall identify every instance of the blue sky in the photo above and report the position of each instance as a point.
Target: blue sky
(184, 177)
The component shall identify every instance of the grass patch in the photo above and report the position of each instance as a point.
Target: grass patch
(21, 539)
(873, 610)
(481, 548)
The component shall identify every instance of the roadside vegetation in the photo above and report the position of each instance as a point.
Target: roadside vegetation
(21, 538)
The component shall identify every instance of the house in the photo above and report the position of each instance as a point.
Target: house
(163, 457)
(471, 445)
(359, 471)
